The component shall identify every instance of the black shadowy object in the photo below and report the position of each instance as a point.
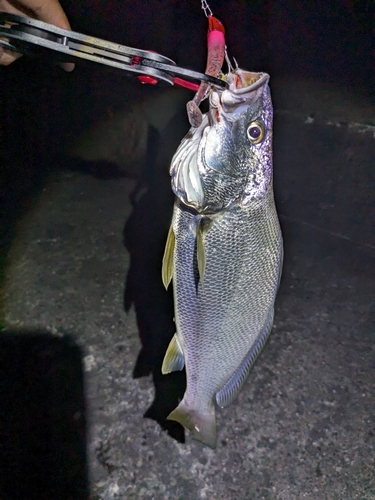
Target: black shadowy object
(100, 169)
(145, 234)
(42, 418)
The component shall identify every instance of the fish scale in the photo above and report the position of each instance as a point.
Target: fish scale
(223, 307)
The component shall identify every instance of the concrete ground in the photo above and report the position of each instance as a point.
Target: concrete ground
(85, 267)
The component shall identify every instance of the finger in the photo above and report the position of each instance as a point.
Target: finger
(8, 7)
(8, 56)
(49, 11)
(68, 66)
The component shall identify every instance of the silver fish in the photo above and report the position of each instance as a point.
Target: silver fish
(224, 250)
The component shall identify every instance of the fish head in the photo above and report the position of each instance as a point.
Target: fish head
(227, 160)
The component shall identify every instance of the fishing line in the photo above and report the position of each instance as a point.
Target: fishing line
(206, 8)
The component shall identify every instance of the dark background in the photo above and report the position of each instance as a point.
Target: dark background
(43, 109)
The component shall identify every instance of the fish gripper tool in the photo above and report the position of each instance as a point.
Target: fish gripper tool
(33, 37)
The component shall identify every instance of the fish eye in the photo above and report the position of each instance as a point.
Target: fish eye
(255, 132)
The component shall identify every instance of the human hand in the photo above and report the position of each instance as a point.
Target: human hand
(48, 11)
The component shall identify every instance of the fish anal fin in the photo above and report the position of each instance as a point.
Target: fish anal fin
(234, 385)
(167, 267)
(201, 425)
(174, 357)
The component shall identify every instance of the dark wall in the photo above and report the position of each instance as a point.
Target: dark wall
(330, 39)
(42, 107)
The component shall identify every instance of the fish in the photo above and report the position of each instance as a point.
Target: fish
(224, 250)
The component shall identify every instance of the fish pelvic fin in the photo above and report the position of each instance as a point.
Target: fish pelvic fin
(204, 225)
(174, 357)
(201, 425)
(167, 267)
(201, 255)
(233, 387)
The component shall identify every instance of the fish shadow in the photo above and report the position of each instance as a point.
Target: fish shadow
(145, 235)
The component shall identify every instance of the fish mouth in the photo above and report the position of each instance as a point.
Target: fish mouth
(241, 81)
(244, 88)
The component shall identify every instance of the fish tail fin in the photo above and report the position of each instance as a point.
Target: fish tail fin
(201, 425)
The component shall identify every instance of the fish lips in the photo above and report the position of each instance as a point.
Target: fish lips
(244, 89)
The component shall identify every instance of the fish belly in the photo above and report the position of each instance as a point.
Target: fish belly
(221, 318)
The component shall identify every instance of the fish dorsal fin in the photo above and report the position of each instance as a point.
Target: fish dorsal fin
(204, 225)
(201, 425)
(174, 357)
(167, 267)
(234, 385)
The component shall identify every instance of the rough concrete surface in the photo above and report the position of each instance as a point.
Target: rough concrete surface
(304, 425)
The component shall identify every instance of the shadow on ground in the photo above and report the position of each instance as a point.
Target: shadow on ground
(145, 235)
(43, 418)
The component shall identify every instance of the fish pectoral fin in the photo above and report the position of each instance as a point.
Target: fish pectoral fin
(233, 387)
(201, 425)
(174, 357)
(167, 267)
